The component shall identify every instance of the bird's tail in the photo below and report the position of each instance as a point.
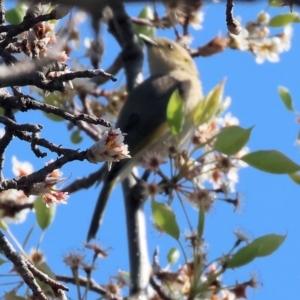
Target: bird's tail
(108, 186)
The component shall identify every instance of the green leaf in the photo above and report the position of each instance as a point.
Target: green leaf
(268, 244)
(232, 139)
(146, 13)
(271, 161)
(283, 19)
(124, 274)
(43, 267)
(297, 19)
(209, 106)
(262, 246)
(13, 296)
(47, 290)
(286, 97)
(243, 256)
(149, 31)
(76, 137)
(3, 261)
(295, 177)
(53, 117)
(275, 3)
(175, 113)
(3, 225)
(173, 256)
(165, 219)
(15, 15)
(53, 99)
(44, 214)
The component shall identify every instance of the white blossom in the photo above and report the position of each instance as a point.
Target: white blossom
(109, 148)
(20, 168)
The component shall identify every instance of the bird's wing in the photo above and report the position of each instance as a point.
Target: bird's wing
(143, 119)
(151, 98)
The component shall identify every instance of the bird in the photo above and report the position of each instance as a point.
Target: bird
(144, 115)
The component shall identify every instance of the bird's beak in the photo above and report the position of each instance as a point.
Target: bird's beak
(147, 40)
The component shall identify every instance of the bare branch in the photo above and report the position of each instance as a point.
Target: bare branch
(93, 133)
(43, 142)
(82, 281)
(121, 27)
(10, 207)
(140, 269)
(233, 25)
(28, 22)
(22, 127)
(21, 266)
(25, 73)
(45, 278)
(158, 289)
(115, 67)
(4, 142)
(85, 182)
(39, 78)
(25, 182)
(24, 103)
(214, 46)
(86, 74)
(2, 13)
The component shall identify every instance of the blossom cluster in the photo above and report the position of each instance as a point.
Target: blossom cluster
(256, 38)
(110, 147)
(199, 172)
(179, 283)
(15, 204)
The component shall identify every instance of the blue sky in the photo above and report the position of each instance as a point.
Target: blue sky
(270, 203)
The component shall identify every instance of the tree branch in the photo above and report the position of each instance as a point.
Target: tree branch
(45, 278)
(115, 67)
(25, 182)
(84, 282)
(140, 268)
(84, 183)
(121, 27)
(21, 267)
(24, 103)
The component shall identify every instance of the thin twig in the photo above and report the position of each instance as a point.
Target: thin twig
(86, 74)
(2, 13)
(10, 207)
(93, 285)
(20, 264)
(85, 182)
(159, 289)
(233, 25)
(44, 143)
(4, 142)
(113, 69)
(92, 131)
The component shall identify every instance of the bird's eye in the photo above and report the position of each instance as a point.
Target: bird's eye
(170, 47)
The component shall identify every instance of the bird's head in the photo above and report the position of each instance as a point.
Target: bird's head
(165, 56)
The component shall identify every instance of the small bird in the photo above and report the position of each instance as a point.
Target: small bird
(144, 115)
